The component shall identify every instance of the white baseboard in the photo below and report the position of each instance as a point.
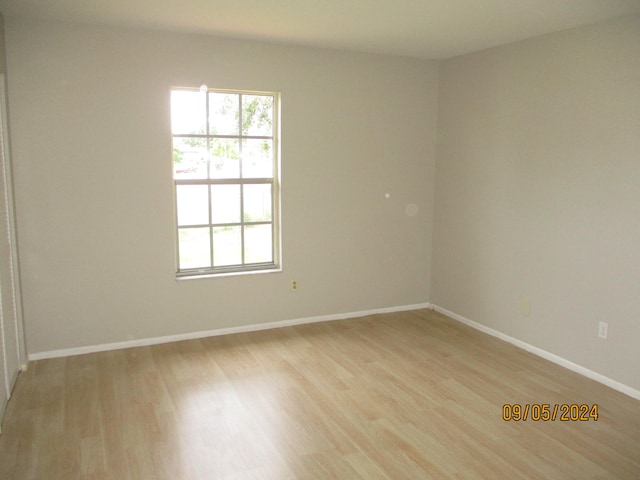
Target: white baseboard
(563, 362)
(5, 399)
(67, 352)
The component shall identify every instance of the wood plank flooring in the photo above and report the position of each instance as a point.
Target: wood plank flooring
(410, 395)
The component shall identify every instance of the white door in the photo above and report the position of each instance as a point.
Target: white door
(13, 355)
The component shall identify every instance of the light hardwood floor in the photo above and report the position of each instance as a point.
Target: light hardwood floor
(406, 395)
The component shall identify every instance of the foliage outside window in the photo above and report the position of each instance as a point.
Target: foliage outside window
(225, 170)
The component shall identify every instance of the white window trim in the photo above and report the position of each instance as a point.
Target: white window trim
(276, 245)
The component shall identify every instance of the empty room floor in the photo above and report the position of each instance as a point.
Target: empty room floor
(403, 395)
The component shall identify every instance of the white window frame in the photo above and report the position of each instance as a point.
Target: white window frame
(274, 181)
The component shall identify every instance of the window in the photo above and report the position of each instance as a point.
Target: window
(225, 170)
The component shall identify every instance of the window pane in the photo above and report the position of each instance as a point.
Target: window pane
(194, 248)
(225, 169)
(225, 204)
(223, 113)
(257, 115)
(227, 246)
(189, 158)
(257, 244)
(225, 158)
(257, 203)
(188, 112)
(257, 158)
(192, 204)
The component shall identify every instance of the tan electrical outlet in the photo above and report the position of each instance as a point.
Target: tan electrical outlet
(294, 285)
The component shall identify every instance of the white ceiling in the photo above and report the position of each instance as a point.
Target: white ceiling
(417, 28)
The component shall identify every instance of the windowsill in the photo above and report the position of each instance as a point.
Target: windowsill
(228, 274)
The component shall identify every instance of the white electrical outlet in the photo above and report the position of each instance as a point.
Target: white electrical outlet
(603, 330)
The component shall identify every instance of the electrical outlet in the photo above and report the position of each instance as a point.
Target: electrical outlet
(603, 330)
(294, 285)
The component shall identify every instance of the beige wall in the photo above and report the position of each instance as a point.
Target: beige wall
(91, 140)
(538, 193)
